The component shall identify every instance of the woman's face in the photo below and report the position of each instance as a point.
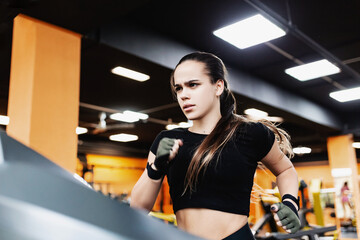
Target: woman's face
(196, 95)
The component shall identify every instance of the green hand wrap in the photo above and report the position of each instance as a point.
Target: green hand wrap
(288, 218)
(163, 153)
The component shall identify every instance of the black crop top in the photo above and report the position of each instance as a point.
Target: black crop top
(225, 186)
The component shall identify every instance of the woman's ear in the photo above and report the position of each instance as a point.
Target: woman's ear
(219, 87)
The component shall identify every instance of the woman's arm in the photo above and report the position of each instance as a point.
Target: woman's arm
(148, 186)
(145, 191)
(285, 213)
(283, 169)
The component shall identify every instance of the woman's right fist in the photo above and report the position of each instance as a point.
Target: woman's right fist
(167, 150)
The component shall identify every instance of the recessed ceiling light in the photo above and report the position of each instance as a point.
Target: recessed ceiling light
(186, 124)
(130, 74)
(81, 130)
(302, 150)
(346, 95)
(313, 70)
(180, 125)
(172, 126)
(141, 116)
(129, 116)
(256, 113)
(123, 137)
(249, 32)
(123, 117)
(4, 120)
(356, 144)
(274, 119)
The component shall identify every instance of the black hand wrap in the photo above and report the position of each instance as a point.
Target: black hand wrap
(163, 153)
(152, 173)
(162, 160)
(290, 204)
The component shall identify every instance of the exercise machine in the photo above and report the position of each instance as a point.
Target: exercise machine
(40, 200)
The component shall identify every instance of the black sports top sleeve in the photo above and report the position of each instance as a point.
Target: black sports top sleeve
(263, 139)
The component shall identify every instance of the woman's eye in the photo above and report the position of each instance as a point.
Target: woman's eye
(177, 89)
(193, 84)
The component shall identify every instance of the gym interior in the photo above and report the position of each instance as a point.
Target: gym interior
(75, 132)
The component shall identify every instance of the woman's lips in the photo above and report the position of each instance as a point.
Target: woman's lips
(188, 107)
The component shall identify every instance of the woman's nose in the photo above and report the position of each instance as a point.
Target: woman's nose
(184, 94)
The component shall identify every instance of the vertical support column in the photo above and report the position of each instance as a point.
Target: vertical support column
(342, 159)
(44, 89)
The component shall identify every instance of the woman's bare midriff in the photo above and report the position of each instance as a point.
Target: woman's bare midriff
(209, 224)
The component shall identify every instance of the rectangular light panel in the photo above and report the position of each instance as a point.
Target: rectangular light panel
(129, 116)
(138, 115)
(81, 130)
(123, 137)
(313, 70)
(256, 113)
(4, 120)
(249, 32)
(346, 95)
(130, 74)
(302, 150)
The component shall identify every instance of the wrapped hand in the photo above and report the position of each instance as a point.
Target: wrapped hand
(166, 151)
(163, 154)
(285, 217)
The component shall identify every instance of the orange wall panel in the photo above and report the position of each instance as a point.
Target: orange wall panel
(44, 89)
(114, 161)
(114, 174)
(323, 172)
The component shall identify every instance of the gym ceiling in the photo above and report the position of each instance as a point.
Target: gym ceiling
(151, 36)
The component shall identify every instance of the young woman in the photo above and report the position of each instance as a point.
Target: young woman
(210, 166)
(345, 198)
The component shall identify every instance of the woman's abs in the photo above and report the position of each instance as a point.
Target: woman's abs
(209, 224)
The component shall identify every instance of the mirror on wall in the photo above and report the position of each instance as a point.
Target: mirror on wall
(345, 206)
